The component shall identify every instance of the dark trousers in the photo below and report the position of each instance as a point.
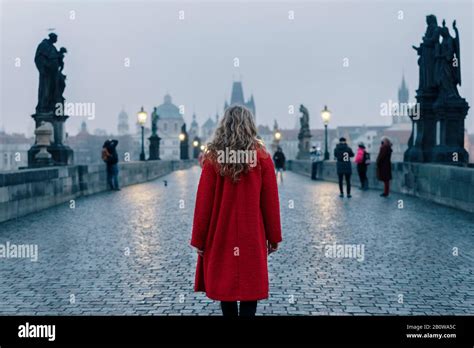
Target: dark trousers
(247, 309)
(314, 170)
(112, 176)
(386, 187)
(362, 171)
(348, 182)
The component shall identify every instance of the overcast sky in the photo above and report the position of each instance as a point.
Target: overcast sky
(282, 62)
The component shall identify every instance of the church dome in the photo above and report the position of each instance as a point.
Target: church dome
(168, 109)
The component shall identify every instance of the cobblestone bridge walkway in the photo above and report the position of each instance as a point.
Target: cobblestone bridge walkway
(128, 253)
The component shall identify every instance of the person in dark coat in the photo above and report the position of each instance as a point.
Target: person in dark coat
(110, 157)
(384, 165)
(279, 160)
(315, 156)
(343, 154)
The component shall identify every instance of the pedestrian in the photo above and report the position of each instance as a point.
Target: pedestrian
(279, 159)
(110, 157)
(236, 217)
(343, 154)
(384, 165)
(362, 159)
(315, 156)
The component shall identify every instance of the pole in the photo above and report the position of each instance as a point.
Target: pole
(142, 155)
(326, 152)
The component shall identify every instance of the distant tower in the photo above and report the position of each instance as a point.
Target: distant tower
(403, 97)
(237, 98)
(83, 129)
(194, 129)
(123, 127)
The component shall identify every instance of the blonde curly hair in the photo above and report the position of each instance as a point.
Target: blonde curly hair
(236, 131)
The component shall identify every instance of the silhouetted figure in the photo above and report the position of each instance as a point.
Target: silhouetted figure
(362, 159)
(279, 160)
(315, 156)
(384, 165)
(110, 157)
(343, 154)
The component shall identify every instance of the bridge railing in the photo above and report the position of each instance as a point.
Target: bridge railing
(30, 190)
(444, 184)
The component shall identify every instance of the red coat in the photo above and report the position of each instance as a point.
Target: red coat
(232, 224)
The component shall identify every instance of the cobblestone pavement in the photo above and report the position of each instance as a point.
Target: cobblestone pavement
(128, 253)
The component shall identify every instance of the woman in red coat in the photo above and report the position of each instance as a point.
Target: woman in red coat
(384, 165)
(236, 217)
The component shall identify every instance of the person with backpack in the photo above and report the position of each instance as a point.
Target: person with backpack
(110, 157)
(362, 159)
(343, 154)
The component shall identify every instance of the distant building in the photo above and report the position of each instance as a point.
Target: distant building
(123, 126)
(469, 145)
(193, 132)
(169, 127)
(237, 98)
(87, 147)
(208, 128)
(289, 139)
(14, 150)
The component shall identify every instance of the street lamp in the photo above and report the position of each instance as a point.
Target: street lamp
(182, 136)
(326, 116)
(141, 116)
(277, 136)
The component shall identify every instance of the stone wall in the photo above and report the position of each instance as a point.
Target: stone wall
(447, 185)
(30, 190)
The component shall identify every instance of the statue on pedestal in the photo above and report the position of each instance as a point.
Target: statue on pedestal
(304, 135)
(154, 138)
(52, 83)
(438, 131)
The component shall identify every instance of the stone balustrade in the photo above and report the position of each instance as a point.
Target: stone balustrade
(30, 190)
(452, 186)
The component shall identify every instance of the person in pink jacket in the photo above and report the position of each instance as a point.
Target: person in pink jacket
(362, 159)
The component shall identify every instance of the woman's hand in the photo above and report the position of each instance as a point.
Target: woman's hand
(272, 247)
(200, 252)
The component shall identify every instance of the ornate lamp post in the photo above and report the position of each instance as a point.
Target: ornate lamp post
(142, 116)
(326, 116)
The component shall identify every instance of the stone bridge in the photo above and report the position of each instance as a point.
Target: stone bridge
(127, 252)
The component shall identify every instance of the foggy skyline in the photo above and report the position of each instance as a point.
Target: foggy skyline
(282, 62)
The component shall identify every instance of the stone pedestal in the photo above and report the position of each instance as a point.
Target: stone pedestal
(449, 126)
(304, 146)
(154, 147)
(61, 154)
(423, 137)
